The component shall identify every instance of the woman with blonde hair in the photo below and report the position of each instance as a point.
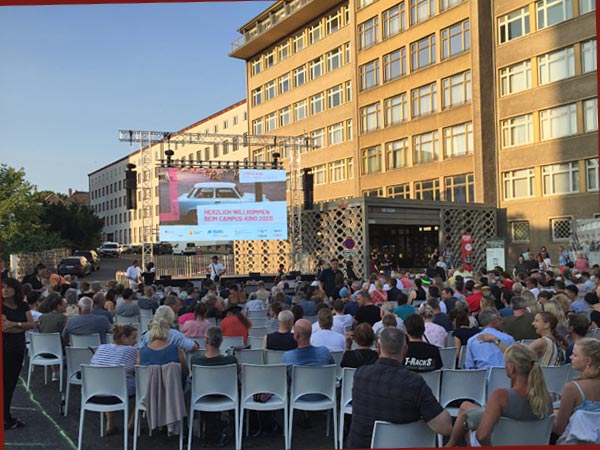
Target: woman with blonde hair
(577, 418)
(551, 345)
(531, 302)
(563, 301)
(159, 351)
(526, 399)
(555, 308)
(379, 295)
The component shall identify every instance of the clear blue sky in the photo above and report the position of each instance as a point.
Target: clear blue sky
(72, 76)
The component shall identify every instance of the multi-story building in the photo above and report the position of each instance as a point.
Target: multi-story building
(107, 184)
(417, 99)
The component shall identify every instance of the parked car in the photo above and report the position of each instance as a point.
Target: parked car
(132, 250)
(75, 265)
(211, 193)
(162, 248)
(91, 256)
(110, 249)
(187, 249)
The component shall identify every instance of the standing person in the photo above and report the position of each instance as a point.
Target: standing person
(581, 263)
(367, 311)
(149, 276)
(16, 318)
(132, 275)
(331, 279)
(36, 279)
(350, 274)
(372, 398)
(216, 269)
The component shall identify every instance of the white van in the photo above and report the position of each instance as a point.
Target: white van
(182, 248)
(111, 249)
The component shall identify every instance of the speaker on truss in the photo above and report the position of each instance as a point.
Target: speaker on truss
(308, 181)
(131, 187)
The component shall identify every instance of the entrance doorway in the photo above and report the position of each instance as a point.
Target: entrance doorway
(410, 246)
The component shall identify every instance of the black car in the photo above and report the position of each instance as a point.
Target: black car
(75, 265)
(91, 256)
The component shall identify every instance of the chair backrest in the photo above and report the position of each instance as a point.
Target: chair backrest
(595, 333)
(337, 357)
(407, 435)
(46, 343)
(85, 340)
(214, 380)
(259, 322)
(257, 331)
(146, 313)
(201, 342)
(313, 380)
(497, 379)
(255, 342)
(273, 356)
(526, 341)
(127, 319)
(76, 356)
(433, 379)
(258, 378)
(556, 377)
(231, 341)
(141, 380)
(450, 340)
(518, 432)
(212, 320)
(311, 319)
(462, 357)
(347, 384)
(463, 384)
(103, 380)
(250, 356)
(145, 323)
(253, 315)
(448, 355)
(109, 338)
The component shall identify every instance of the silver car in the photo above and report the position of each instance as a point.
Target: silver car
(211, 193)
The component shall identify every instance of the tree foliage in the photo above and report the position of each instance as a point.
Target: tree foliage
(77, 224)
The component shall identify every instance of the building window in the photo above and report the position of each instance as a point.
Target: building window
(372, 193)
(349, 129)
(421, 10)
(316, 68)
(447, 4)
(551, 12)
(394, 64)
(235, 120)
(257, 96)
(556, 65)
(225, 147)
(334, 59)
(347, 53)
(458, 140)
(363, 3)
(561, 228)
(394, 21)
(558, 122)
(457, 90)
(586, 6)
(424, 100)
(337, 171)
(371, 160)
(513, 25)
(370, 117)
(369, 75)
(333, 22)
(517, 131)
(560, 178)
(256, 66)
(455, 39)
(315, 33)
(396, 109)
(271, 121)
(367, 32)
(317, 104)
(336, 133)
(519, 231)
(318, 138)
(518, 184)
(399, 191)
(284, 83)
(426, 147)
(422, 53)
(299, 76)
(515, 78)
(588, 56)
(591, 173)
(460, 188)
(284, 116)
(270, 90)
(269, 59)
(427, 190)
(215, 150)
(298, 42)
(396, 153)
(257, 128)
(300, 110)
(335, 96)
(320, 174)
(284, 51)
(590, 115)
(207, 152)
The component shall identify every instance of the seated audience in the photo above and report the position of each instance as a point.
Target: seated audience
(434, 334)
(282, 339)
(421, 356)
(86, 323)
(486, 349)
(519, 325)
(363, 354)
(325, 336)
(235, 323)
(551, 345)
(197, 327)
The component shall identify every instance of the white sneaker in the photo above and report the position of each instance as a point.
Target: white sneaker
(55, 376)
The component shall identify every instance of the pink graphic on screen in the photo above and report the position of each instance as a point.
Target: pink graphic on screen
(173, 214)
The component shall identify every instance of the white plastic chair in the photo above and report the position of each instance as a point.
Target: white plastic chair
(313, 380)
(257, 332)
(250, 356)
(433, 379)
(462, 357)
(556, 377)
(190, 355)
(273, 356)
(109, 338)
(448, 355)
(253, 315)
(76, 356)
(127, 319)
(85, 340)
(214, 389)
(231, 341)
(462, 384)
(43, 344)
(595, 333)
(521, 433)
(337, 357)
(406, 435)
(146, 313)
(255, 342)
(258, 379)
(98, 381)
(259, 322)
(345, 400)
(496, 379)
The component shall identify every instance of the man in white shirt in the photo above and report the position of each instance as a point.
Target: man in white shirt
(326, 337)
(133, 275)
(387, 308)
(216, 269)
(341, 320)
(254, 304)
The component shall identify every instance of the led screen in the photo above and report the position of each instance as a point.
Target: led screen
(214, 204)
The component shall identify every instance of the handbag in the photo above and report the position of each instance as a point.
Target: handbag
(472, 417)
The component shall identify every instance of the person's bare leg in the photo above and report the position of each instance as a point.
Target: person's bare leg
(110, 426)
(458, 430)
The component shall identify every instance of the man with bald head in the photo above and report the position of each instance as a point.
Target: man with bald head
(306, 354)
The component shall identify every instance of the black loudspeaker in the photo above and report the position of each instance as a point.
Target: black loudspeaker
(308, 181)
(131, 188)
(254, 274)
(295, 273)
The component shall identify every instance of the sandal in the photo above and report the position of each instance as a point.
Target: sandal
(16, 423)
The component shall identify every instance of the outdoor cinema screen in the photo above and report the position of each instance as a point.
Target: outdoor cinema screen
(215, 204)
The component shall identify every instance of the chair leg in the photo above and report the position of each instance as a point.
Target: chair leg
(237, 429)
(125, 428)
(335, 426)
(241, 425)
(81, 418)
(341, 429)
(136, 429)
(67, 399)
(286, 430)
(247, 423)
(290, 428)
(101, 424)
(190, 428)
(328, 425)
(29, 373)
(180, 434)
(45, 374)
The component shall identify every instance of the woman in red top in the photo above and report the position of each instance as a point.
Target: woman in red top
(235, 323)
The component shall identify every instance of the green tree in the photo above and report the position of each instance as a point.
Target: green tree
(76, 224)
